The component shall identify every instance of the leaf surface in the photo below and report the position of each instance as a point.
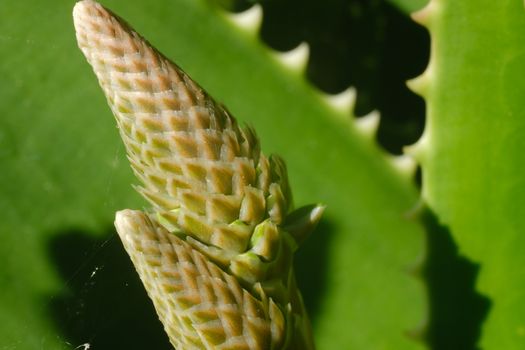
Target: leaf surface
(63, 168)
(472, 149)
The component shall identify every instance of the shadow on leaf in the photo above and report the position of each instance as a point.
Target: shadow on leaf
(368, 44)
(457, 310)
(311, 267)
(103, 302)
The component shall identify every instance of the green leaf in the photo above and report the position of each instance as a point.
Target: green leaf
(408, 6)
(472, 149)
(63, 169)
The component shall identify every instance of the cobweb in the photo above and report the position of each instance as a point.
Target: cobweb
(103, 304)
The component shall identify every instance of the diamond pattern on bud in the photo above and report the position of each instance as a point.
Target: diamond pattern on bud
(199, 169)
(216, 253)
(200, 305)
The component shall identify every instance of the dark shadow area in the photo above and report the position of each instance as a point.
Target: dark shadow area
(311, 267)
(457, 310)
(368, 44)
(103, 302)
(371, 45)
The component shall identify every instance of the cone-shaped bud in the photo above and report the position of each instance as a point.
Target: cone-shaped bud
(219, 204)
(200, 305)
(199, 169)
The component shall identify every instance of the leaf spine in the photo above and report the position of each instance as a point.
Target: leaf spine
(368, 124)
(418, 149)
(426, 15)
(404, 164)
(421, 84)
(295, 59)
(249, 20)
(343, 102)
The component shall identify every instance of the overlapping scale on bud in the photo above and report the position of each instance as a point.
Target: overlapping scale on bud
(205, 176)
(200, 305)
(211, 187)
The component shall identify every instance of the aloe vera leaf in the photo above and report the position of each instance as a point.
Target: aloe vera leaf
(472, 148)
(408, 6)
(67, 157)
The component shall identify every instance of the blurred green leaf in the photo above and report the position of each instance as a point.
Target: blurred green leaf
(408, 6)
(472, 149)
(63, 168)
